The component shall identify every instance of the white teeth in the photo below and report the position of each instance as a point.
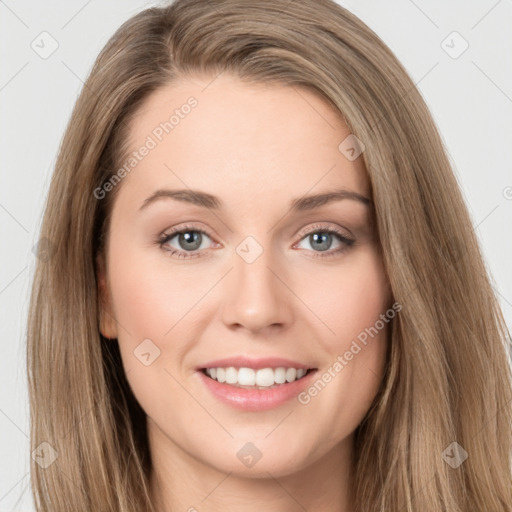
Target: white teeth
(246, 376)
(262, 378)
(291, 374)
(231, 375)
(280, 375)
(221, 374)
(265, 377)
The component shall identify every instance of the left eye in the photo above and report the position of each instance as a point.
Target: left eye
(322, 240)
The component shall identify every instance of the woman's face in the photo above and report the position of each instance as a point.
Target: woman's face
(264, 277)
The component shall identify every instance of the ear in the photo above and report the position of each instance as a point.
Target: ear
(108, 324)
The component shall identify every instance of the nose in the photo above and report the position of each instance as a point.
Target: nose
(255, 296)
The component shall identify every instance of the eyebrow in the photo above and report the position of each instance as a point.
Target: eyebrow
(206, 200)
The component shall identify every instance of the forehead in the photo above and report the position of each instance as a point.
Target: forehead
(247, 143)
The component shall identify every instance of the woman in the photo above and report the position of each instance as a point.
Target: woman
(264, 289)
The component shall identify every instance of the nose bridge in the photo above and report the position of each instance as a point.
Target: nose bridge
(255, 297)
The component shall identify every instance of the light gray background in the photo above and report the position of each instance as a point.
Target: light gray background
(469, 96)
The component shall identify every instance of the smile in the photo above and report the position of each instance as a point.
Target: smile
(250, 378)
(268, 388)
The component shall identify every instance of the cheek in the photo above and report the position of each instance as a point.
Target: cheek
(151, 305)
(149, 300)
(355, 295)
(348, 383)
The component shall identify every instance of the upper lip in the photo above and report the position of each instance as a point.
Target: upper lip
(247, 362)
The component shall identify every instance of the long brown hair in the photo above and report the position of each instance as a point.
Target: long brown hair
(448, 377)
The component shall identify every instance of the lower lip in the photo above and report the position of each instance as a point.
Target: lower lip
(256, 399)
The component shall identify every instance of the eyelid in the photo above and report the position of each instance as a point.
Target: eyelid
(185, 227)
(319, 226)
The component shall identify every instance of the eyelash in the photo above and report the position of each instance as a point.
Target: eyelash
(166, 237)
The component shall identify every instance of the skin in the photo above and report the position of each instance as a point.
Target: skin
(255, 147)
